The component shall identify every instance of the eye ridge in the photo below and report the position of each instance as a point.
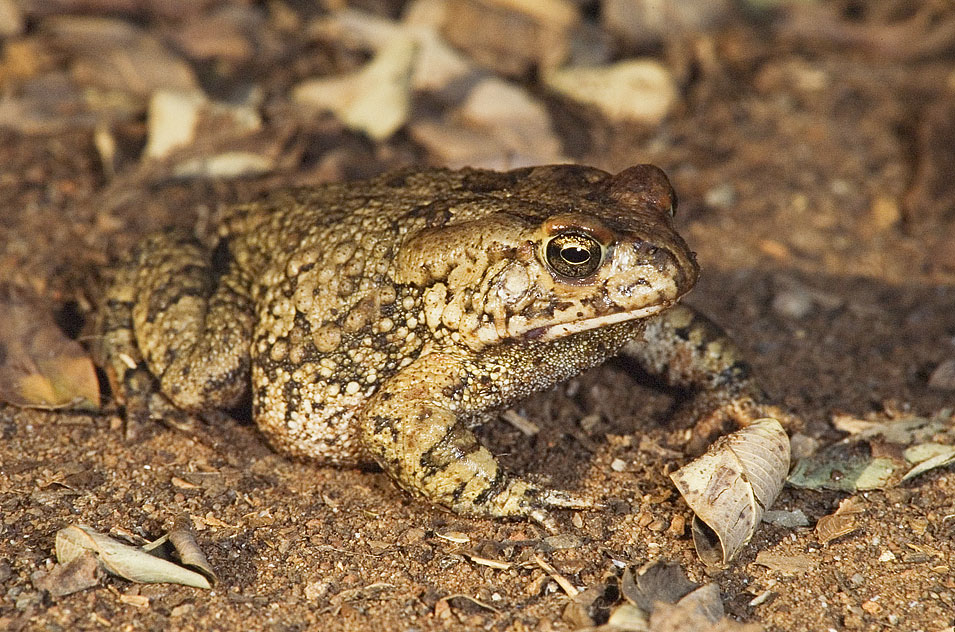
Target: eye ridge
(573, 255)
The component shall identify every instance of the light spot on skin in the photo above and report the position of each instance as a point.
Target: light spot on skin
(279, 351)
(326, 339)
(434, 302)
(514, 284)
(387, 294)
(343, 252)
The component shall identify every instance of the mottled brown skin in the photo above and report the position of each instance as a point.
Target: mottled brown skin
(380, 320)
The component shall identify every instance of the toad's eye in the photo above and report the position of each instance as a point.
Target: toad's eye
(573, 255)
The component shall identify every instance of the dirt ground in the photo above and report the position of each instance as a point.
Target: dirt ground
(814, 158)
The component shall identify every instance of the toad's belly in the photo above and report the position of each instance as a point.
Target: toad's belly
(307, 420)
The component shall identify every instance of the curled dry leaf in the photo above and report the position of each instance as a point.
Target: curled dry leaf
(183, 540)
(731, 486)
(128, 562)
(39, 366)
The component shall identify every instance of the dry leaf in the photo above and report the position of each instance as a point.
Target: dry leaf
(928, 456)
(731, 486)
(39, 366)
(789, 564)
(184, 541)
(879, 454)
(78, 574)
(655, 582)
(126, 561)
(699, 611)
(841, 522)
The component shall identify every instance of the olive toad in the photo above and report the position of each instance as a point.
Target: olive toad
(380, 320)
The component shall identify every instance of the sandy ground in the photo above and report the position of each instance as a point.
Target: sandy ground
(816, 187)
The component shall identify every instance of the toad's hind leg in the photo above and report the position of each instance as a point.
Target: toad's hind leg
(166, 318)
(415, 427)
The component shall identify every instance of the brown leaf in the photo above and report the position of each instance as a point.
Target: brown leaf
(78, 574)
(789, 564)
(39, 366)
(655, 582)
(839, 523)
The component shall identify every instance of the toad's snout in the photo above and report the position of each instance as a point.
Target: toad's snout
(670, 271)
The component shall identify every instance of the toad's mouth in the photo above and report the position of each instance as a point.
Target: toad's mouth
(553, 332)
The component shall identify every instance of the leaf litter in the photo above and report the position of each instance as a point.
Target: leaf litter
(40, 367)
(77, 545)
(879, 454)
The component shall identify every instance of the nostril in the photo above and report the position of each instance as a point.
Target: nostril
(660, 258)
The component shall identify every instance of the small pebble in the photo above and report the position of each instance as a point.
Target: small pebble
(885, 212)
(375, 100)
(802, 446)
(618, 465)
(646, 23)
(871, 607)
(677, 526)
(172, 120)
(788, 519)
(761, 598)
(636, 90)
(230, 164)
(510, 37)
(11, 19)
(513, 117)
(943, 377)
(722, 196)
(793, 303)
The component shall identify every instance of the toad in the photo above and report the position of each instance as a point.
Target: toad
(381, 320)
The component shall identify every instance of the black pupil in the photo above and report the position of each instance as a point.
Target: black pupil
(574, 254)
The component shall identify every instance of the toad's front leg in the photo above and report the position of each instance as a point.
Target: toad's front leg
(415, 428)
(687, 350)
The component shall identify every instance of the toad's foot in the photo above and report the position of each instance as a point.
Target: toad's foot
(689, 351)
